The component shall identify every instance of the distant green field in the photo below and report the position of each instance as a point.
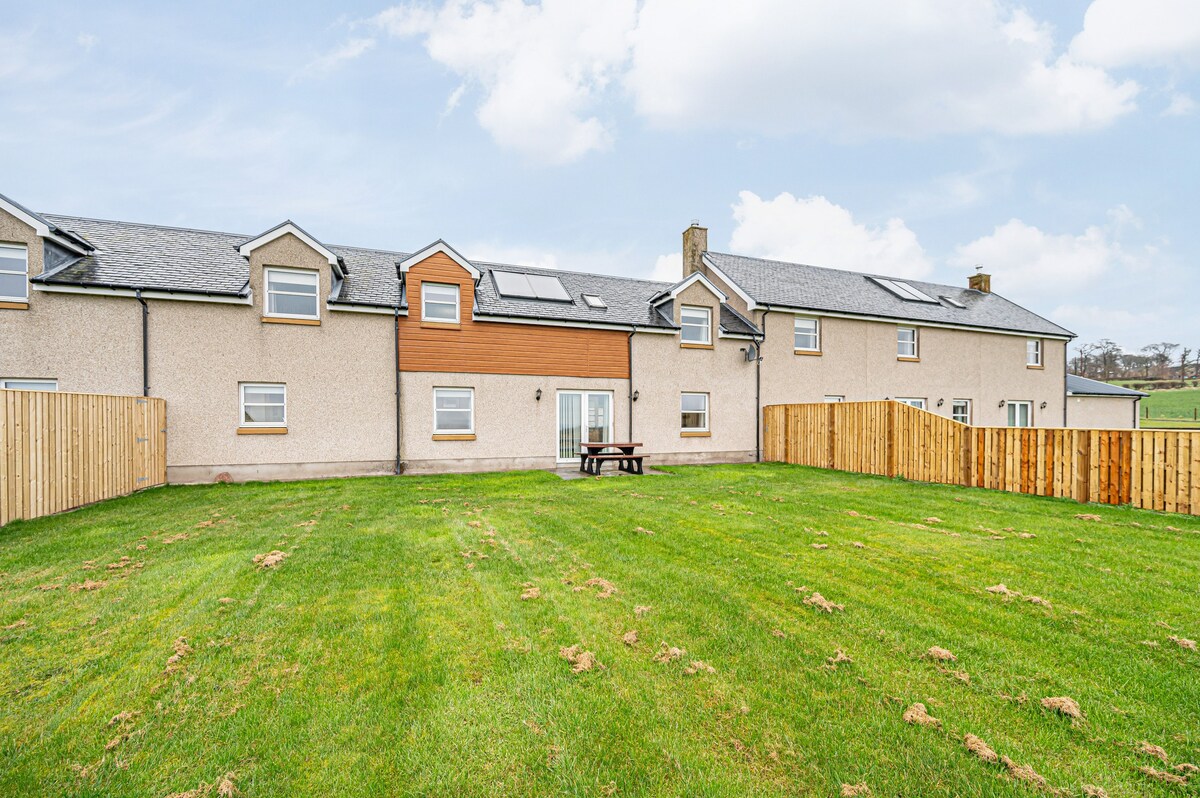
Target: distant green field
(1180, 403)
(1169, 423)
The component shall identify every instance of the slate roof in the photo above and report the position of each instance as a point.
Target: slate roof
(799, 286)
(1082, 386)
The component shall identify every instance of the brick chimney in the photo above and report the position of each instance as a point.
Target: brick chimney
(695, 244)
(980, 281)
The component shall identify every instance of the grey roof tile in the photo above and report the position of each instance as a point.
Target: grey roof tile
(796, 285)
(1082, 386)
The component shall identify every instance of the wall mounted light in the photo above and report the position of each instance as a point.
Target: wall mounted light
(1002, 403)
(941, 402)
(1042, 406)
(537, 395)
(636, 394)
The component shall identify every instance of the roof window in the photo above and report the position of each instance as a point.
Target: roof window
(594, 301)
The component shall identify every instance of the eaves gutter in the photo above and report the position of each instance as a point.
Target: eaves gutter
(614, 325)
(132, 288)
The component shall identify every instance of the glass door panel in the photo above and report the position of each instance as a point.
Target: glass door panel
(599, 420)
(570, 422)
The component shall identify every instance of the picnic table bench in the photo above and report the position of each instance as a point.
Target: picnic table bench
(592, 456)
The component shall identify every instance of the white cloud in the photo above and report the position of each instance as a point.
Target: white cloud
(1180, 105)
(1154, 32)
(816, 231)
(348, 50)
(874, 67)
(543, 68)
(86, 41)
(668, 268)
(1028, 262)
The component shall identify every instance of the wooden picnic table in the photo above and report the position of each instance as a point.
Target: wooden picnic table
(592, 455)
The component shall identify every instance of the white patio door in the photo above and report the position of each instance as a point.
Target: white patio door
(582, 416)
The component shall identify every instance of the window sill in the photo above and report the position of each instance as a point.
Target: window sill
(695, 346)
(809, 352)
(469, 437)
(1035, 368)
(280, 320)
(695, 434)
(262, 431)
(908, 359)
(14, 306)
(441, 325)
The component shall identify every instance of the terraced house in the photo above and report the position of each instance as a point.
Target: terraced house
(281, 356)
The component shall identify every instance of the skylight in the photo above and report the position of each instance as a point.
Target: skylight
(904, 290)
(594, 301)
(530, 286)
(954, 302)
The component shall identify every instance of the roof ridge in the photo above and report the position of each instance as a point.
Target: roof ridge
(148, 224)
(844, 271)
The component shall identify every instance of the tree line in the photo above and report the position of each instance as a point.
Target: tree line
(1107, 360)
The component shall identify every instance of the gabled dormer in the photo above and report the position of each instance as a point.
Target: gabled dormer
(292, 273)
(30, 244)
(694, 306)
(440, 284)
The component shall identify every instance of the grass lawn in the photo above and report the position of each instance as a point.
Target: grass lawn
(392, 653)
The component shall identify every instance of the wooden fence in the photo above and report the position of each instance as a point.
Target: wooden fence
(1152, 469)
(64, 450)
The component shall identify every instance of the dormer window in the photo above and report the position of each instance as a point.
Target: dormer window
(14, 273)
(695, 325)
(439, 303)
(291, 293)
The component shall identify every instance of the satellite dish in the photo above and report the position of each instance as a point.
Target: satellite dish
(751, 353)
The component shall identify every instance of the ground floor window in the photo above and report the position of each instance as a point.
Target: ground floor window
(960, 411)
(264, 404)
(833, 399)
(911, 402)
(693, 412)
(29, 385)
(453, 411)
(1020, 414)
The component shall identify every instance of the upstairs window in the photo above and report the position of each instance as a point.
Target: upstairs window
(807, 334)
(906, 342)
(291, 294)
(264, 404)
(439, 303)
(14, 273)
(1033, 353)
(696, 324)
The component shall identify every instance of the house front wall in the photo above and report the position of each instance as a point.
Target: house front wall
(858, 361)
(1102, 412)
(88, 344)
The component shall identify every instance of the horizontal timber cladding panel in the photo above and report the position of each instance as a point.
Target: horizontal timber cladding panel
(489, 347)
(65, 450)
(1152, 469)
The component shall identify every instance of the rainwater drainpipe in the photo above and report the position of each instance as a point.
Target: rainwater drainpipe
(758, 388)
(1066, 397)
(629, 343)
(145, 343)
(399, 468)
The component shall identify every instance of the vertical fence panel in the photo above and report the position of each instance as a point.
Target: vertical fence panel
(1152, 469)
(64, 450)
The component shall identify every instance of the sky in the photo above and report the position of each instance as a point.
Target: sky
(1054, 144)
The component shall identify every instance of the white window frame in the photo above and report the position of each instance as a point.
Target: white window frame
(470, 393)
(913, 401)
(425, 302)
(706, 426)
(1028, 415)
(43, 384)
(242, 386)
(1033, 353)
(833, 399)
(955, 415)
(684, 326)
(815, 334)
(306, 274)
(24, 252)
(915, 343)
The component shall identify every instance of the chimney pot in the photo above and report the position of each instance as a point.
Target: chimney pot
(695, 244)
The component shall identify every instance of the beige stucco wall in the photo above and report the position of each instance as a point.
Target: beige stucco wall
(663, 370)
(858, 361)
(89, 344)
(512, 428)
(1101, 412)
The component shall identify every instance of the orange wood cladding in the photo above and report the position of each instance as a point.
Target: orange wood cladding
(499, 348)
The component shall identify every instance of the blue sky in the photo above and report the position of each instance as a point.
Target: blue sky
(1053, 143)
